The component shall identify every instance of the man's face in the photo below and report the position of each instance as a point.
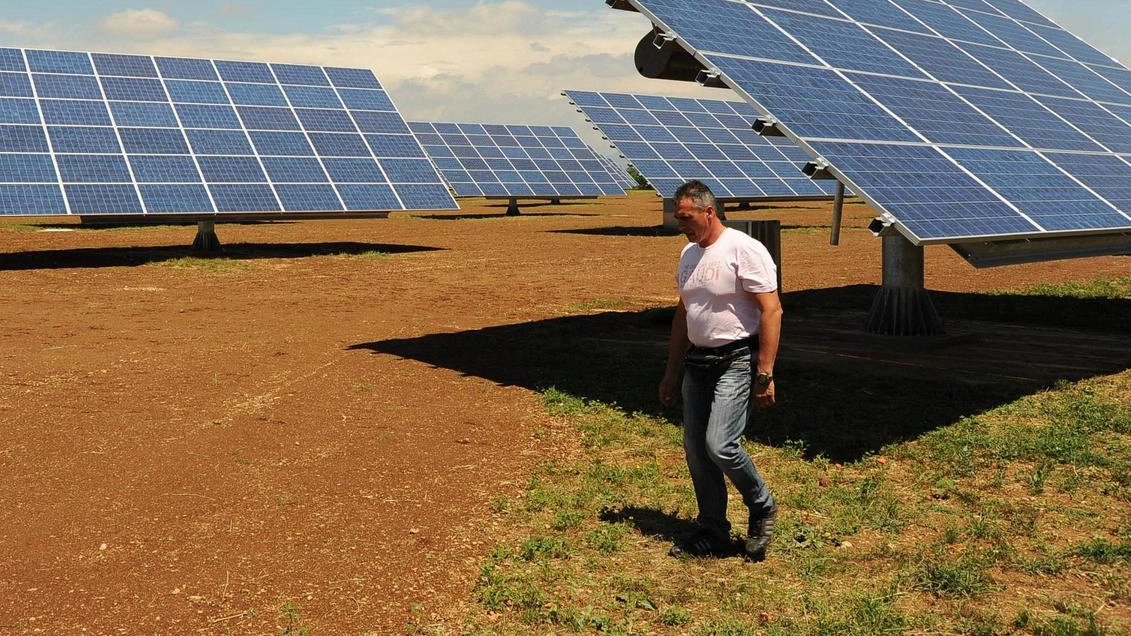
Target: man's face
(694, 222)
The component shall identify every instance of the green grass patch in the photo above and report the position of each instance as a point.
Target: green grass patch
(962, 530)
(1118, 288)
(212, 265)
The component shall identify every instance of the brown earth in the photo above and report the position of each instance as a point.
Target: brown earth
(188, 446)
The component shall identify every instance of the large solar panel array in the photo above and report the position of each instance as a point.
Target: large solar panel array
(96, 133)
(959, 119)
(671, 140)
(496, 160)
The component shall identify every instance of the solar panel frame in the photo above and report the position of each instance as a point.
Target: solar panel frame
(515, 161)
(816, 103)
(671, 140)
(124, 135)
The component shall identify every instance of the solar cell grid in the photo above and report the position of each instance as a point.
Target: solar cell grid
(134, 134)
(514, 161)
(983, 98)
(688, 140)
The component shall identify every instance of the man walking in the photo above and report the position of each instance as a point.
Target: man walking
(725, 337)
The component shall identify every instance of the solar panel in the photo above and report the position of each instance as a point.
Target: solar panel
(958, 120)
(96, 133)
(496, 160)
(671, 140)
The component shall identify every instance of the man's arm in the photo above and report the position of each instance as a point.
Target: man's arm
(677, 346)
(769, 334)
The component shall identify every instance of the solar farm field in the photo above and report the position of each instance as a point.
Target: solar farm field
(352, 427)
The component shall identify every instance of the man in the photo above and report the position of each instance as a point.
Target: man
(725, 336)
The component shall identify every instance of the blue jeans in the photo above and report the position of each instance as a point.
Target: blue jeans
(716, 407)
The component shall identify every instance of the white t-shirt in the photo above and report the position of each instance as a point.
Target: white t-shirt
(713, 282)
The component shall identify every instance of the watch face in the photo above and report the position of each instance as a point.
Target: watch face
(763, 378)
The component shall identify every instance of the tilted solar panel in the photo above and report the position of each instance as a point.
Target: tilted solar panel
(671, 140)
(496, 160)
(97, 133)
(957, 119)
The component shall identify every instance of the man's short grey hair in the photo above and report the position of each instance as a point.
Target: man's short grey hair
(699, 194)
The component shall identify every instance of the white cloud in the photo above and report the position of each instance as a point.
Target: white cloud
(138, 23)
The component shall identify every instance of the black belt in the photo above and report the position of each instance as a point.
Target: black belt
(734, 345)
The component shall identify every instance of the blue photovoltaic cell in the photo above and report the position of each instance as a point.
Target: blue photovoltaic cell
(308, 197)
(133, 89)
(22, 139)
(104, 133)
(219, 142)
(83, 139)
(171, 198)
(15, 85)
(126, 65)
(207, 116)
(75, 112)
(191, 92)
(20, 199)
(288, 144)
(12, 60)
(94, 169)
(244, 197)
(245, 72)
(369, 196)
(149, 114)
(325, 120)
(186, 68)
(66, 86)
(59, 62)
(102, 198)
(268, 118)
(710, 140)
(256, 94)
(153, 141)
(299, 74)
(352, 77)
(958, 118)
(353, 171)
(312, 97)
(514, 161)
(164, 169)
(27, 168)
(294, 169)
(232, 170)
(365, 100)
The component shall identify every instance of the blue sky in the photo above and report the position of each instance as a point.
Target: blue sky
(502, 61)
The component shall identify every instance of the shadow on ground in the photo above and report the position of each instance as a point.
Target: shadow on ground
(842, 393)
(132, 256)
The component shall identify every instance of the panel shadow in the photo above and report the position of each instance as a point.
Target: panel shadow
(92, 257)
(842, 393)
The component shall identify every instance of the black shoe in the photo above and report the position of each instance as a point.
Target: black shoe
(703, 543)
(761, 532)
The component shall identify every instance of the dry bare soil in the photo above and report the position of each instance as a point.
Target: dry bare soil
(190, 445)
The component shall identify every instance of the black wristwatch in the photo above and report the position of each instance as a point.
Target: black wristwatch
(762, 378)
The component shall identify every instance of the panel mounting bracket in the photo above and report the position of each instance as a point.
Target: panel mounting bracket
(767, 127)
(710, 79)
(818, 169)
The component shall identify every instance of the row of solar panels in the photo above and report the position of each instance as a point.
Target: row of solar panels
(93, 133)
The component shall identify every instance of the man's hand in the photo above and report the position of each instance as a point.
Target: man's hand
(669, 390)
(764, 395)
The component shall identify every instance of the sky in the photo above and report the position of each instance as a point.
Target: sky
(486, 61)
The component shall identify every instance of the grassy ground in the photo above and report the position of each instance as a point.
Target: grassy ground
(1010, 520)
